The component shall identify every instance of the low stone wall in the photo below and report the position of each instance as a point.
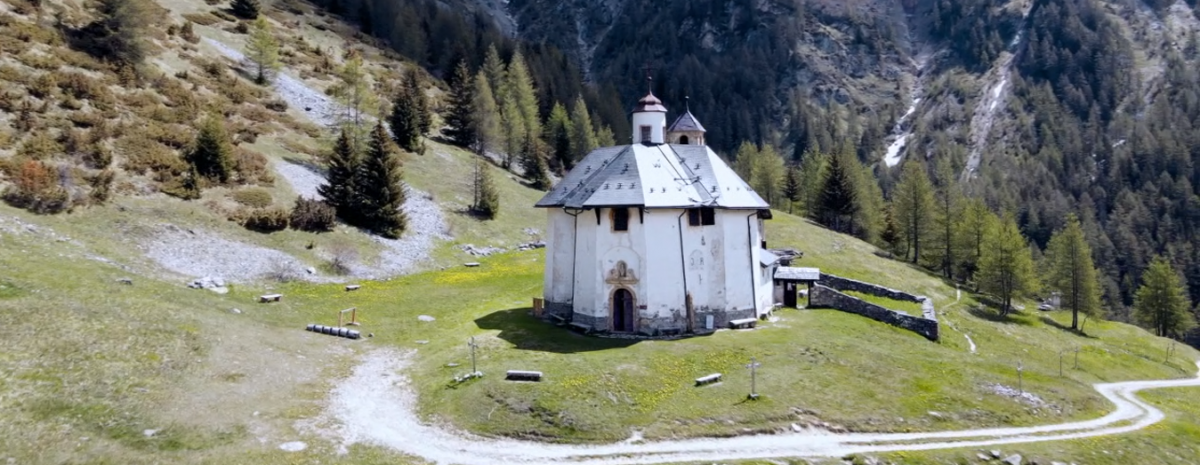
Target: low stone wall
(826, 297)
(844, 284)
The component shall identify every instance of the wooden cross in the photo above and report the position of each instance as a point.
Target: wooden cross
(472, 345)
(649, 69)
(753, 366)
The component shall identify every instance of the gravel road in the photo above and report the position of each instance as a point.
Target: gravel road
(375, 405)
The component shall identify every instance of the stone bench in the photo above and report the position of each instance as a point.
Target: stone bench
(270, 298)
(352, 287)
(585, 329)
(522, 375)
(743, 323)
(713, 378)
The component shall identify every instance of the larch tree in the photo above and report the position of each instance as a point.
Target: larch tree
(948, 204)
(493, 70)
(357, 100)
(913, 202)
(246, 9)
(488, 134)
(263, 51)
(837, 201)
(891, 232)
(867, 220)
(520, 109)
(812, 178)
(1161, 303)
(460, 122)
(583, 134)
(212, 151)
(769, 170)
(1006, 267)
(744, 161)
(415, 85)
(534, 162)
(791, 187)
(486, 202)
(339, 190)
(975, 223)
(380, 187)
(1072, 272)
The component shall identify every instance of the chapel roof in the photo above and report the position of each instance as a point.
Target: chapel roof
(686, 122)
(653, 176)
(649, 103)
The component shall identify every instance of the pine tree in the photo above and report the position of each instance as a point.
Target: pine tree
(405, 120)
(212, 152)
(460, 120)
(487, 199)
(791, 187)
(914, 206)
(247, 9)
(1072, 272)
(558, 135)
(533, 161)
(123, 30)
(380, 187)
(415, 86)
(263, 50)
(339, 190)
(356, 100)
(488, 135)
(583, 134)
(1006, 266)
(837, 201)
(1161, 303)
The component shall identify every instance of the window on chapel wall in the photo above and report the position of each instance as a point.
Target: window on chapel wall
(704, 216)
(693, 217)
(683, 140)
(645, 133)
(620, 219)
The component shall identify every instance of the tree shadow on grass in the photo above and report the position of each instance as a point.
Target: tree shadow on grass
(519, 327)
(1013, 318)
(1054, 323)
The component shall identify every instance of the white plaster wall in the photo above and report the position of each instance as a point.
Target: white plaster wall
(737, 249)
(658, 126)
(665, 290)
(585, 269)
(560, 248)
(612, 247)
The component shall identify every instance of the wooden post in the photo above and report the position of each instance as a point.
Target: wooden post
(539, 306)
(1020, 384)
(753, 366)
(473, 346)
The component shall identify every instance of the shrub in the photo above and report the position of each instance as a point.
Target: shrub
(144, 154)
(188, 33)
(342, 255)
(82, 87)
(313, 215)
(101, 184)
(251, 167)
(35, 187)
(224, 16)
(256, 197)
(40, 146)
(203, 19)
(267, 220)
(43, 86)
(276, 105)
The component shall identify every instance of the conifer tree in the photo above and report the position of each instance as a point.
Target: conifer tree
(339, 189)
(380, 187)
(520, 105)
(415, 86)
(405, 119)
(247, 9)
(493, 70)
(487, 199)
(212, 152)
(744, 161)
(558, 135)
(913, 202)
(891, 232)
(512, 128)
(791, 187)
(488, 135)
(973, 227)
(533, 161)
(837, 201)
(1006, 266)
(1072, 273)
(604, 137)
(768, 174)
(583, 134)
(1161, 303)
(812, 178)
(356, 100)
(948, 202)
(123, 30)
(460, 120)
(263, 50)
(868, 217)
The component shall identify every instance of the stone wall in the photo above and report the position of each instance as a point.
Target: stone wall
(673, 325)
(826, 297)
(843, 284)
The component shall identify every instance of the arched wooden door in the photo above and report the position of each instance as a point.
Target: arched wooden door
(622, 311)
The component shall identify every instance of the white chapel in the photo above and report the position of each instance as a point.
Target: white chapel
(659, 237)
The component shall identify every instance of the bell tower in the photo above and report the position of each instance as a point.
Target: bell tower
(649, 120)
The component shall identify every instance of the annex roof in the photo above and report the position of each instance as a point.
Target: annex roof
(686, 122)
(653, 176)
(790, 273)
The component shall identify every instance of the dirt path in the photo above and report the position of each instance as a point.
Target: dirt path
(375, 405)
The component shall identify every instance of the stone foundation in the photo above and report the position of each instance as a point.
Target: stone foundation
(675, 325)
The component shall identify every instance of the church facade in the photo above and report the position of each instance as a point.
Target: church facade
(658, 237)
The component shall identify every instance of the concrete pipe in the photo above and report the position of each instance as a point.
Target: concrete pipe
(334, 331)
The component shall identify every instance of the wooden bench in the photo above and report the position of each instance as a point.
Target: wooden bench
(743, 323)
(585, 329)
(471, 264)
(558, 319)
(713, 378)
(352, 287)
(270, 298)
(522, 375)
